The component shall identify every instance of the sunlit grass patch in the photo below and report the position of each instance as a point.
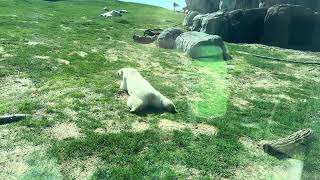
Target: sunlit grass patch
(212, 87)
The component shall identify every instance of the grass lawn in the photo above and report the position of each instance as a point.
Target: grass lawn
(58, 61)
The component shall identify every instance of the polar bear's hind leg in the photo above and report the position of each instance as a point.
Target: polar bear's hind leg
(134, 103)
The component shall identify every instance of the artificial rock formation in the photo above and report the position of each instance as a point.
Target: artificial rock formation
(203, 6)
(202, 45)
(188, 20)
(292, 26)
(209, 6)
(242, 25)
(168, 37)
(288, 26)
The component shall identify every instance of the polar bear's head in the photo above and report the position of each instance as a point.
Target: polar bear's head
(168, 105)
(120, 73)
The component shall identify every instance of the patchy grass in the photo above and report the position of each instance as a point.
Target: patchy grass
(57, 63)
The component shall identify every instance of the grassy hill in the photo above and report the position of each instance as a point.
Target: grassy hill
(58, 61)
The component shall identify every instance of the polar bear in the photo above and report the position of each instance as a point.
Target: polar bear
(141, 93)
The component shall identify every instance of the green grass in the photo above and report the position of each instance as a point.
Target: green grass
(246, 97)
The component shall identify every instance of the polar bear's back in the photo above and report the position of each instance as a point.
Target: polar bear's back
(138, 85)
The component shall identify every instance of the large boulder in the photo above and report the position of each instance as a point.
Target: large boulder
(227, 4)
(188, 20)
(316, 33)
(242, 25)
(291, 26)
(168, 37)
(203, 6)
(202, 45)
(246, 4)
(246, 25)
(210, 6)
(313, 4)
(197, 22)
(216, 24)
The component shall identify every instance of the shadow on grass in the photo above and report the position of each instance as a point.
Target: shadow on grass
(150, 110)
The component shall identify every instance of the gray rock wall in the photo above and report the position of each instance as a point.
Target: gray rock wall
(209, 6)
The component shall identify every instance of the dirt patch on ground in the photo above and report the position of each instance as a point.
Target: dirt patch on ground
(8, 136)
(14, 153)
(4, 54)
(65, 130)
(65, 28)
(140, 126)
(80, 169)
(168, 125)
(112, 55)
(41, 57)
(54, 94)
(13, 161)
(63, 61)
(111, 126)
(122, 95)
(33, 43)
(251, 146)
(14, 87)
(79, 53)
(287, 169)
(191, 173)
(240, 103)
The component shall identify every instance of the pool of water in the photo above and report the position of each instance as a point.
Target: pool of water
(168, 4)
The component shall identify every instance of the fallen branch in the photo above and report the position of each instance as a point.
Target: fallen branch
(284, 146)
(12, 118)
(278, 59)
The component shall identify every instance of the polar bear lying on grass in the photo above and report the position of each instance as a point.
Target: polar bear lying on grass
(141, 93)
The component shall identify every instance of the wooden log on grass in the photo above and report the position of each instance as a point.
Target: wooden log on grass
(12, 118)
(288, 145)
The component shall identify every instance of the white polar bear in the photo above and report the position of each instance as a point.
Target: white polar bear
(141, 93)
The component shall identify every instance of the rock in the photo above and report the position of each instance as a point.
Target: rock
(123, 11)
(262, 4)
(202, 45)
(315, 35)
(167, 37)
(203, 6)
(227, 4)
(188, 20)
(144, 39)
(197, 22)
(152, 32)
(291, 26)
(243, 25)
(216, 24)
(312, 4)
(210, 6)
(246, 25)
(112, 13)
(246, 4)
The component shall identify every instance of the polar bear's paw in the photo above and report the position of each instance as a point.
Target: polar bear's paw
(135, 104)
